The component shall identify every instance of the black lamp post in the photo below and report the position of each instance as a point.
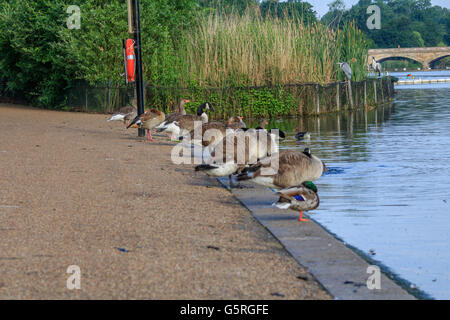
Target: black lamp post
(134, 4)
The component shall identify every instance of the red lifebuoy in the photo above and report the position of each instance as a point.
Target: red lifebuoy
(130, 57)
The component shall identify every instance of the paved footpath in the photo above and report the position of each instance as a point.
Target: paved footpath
(76, 190)
(338, 268)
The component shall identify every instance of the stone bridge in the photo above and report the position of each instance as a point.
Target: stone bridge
(425, 56)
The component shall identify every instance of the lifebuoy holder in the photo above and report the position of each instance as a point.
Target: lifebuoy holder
(130, 60)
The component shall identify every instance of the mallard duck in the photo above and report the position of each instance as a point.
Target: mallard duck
(294, 167)
(124, 114)
(302, 135)
(301, 198)
(148, 120)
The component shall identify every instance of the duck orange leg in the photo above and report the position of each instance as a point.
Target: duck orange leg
(300, 218)
(149, 135)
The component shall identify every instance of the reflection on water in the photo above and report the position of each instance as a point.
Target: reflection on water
(388, 188)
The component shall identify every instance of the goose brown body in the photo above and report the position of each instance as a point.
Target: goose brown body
(185, 123)
(294, 167)
(151, 119)
(148, 120)
(220, 132)
(236, 151)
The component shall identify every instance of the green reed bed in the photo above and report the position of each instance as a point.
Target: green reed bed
(242, 63)
(248, 50)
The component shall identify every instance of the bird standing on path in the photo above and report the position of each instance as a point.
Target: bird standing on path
(294, 167)
(237, 151)
(301, 198)
(124, 114)
(185, 123)
(148, 120)
(177, 113)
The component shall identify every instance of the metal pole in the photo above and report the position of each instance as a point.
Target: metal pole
(86, 98)
(139, 80)
(109, 96)
(130, 17)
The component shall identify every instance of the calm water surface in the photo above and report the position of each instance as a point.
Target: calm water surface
(388, 188)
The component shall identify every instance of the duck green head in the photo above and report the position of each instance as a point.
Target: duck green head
(310, 185)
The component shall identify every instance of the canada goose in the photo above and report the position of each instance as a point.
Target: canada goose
(185, 123)
(236, 151)
(294, 167)
(124, 114)
(209, 139)
(302, 135)
(148, 120)
(301, 198)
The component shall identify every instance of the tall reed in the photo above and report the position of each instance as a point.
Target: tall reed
(248, 50)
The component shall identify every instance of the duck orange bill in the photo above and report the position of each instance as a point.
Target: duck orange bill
(134, 125)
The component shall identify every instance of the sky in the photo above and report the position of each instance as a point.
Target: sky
(321, 6)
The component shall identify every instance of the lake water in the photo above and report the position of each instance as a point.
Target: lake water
(388, 188)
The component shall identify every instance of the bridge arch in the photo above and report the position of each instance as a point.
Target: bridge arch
(424, 56)
(432, 62)
(398, 57)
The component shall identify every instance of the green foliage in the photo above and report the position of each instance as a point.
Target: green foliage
(32, 63)
(254, 102)
(252, 50)
(98, 57)
(353, 50)
(185, 43)
(405, 23)
(41, 57)
(292, 9)
(229, 6)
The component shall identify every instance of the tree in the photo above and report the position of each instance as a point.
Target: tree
(227, 6)
(407, 23)
(333, 17)
(32, 62)
(291, 8)
(417, 38)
